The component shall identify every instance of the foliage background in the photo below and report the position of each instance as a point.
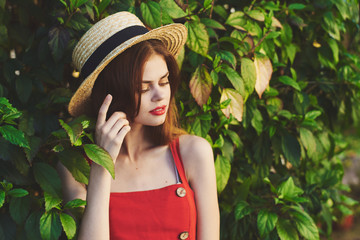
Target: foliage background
(276, 143)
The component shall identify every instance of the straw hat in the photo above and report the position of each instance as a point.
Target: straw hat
(107, 39)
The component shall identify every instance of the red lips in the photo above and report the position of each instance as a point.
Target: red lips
(159, 110)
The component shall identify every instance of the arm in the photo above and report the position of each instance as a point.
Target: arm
(109, 135)
(197, 156)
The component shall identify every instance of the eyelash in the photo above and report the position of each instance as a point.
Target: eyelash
(161, 84)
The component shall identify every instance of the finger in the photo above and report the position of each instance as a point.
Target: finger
(112, 120)
(103, 110)
(121, 135)
(121, 123)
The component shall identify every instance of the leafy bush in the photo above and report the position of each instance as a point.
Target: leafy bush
(276, 143)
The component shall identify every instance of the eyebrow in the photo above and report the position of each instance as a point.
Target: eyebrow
(150, 81)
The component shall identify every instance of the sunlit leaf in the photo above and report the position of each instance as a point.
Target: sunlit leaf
(223, 168)
(100, 156)
(288, 189)
(236, 105)
(236, 20)
(151, 11)
(235, 79)
(198, 38)
(171, 7)
(14, 135)
(68, 224)
(248, 73)
(201, 85)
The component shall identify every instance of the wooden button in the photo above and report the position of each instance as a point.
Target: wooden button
(184, 235)
(181, 192)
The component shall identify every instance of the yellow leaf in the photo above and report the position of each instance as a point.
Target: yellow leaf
(236, 105)
(201, 85)
(276, 23)
(264, 71)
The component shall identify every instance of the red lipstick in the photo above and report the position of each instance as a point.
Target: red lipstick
(159, 110)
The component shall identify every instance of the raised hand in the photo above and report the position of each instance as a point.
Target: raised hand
(110, 134)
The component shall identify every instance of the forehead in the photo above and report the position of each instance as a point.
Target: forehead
(155, 67)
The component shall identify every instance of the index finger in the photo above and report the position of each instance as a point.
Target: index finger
(103, 110)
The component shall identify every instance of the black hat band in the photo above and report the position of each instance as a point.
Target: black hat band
(110, 44)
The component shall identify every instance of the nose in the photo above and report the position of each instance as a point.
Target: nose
(158, 93)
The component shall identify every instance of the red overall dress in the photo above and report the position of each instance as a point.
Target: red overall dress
(168, 213)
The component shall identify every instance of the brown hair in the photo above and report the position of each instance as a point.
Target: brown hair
(122, 78)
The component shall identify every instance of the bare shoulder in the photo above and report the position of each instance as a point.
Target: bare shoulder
(191, 144)
(196, 154)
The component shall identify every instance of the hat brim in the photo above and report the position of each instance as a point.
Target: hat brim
(173, 36)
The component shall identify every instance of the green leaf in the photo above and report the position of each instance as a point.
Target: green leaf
(18, 192)
(200, 85)
(304, 224)
(171, 7)
(198, 38)
(236, 20)
(296, 6)
(211, 23)
(257, 15)
(266, 221)
(23, 85)
(257, 121)
(335, 49)
(51, 202)
(75, 203)
(58, 40)
(223, 169)
(2, 198)
(76, 163)
(308, 140)
(48, 179)
(68, 224)
(248, 73)
(234, 78)
(288, 189)
(35, 143)
(14, 136)
(32, 226)
(100, 156)
(2, 4)
(234, 138)
(50, 226)
(79, 3)
(201, 127)
(313, 114)
(74, 132)
(227, 56)
(19, 208)
(290, 82)
(103, 5)
(151, 11)
(291, 149)
(285, 230)
(242, 209)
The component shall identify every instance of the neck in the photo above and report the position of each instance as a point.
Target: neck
(135, 142)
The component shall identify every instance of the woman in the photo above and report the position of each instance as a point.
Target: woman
(164, 186)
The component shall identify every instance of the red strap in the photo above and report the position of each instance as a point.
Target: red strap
(175, 150)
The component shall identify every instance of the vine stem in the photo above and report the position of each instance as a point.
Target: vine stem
(261, 40)
(212, 8)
